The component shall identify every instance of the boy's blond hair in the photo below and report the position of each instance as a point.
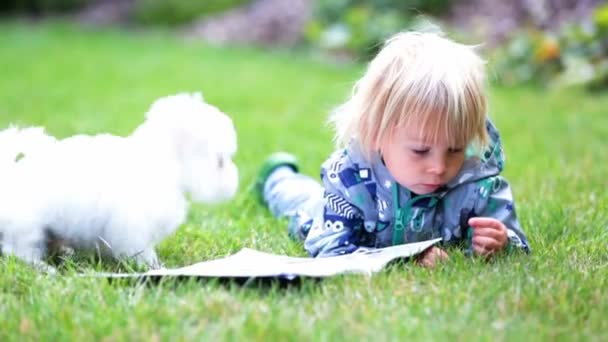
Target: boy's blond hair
(417, 77)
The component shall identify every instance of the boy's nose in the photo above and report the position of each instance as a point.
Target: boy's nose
(438, 166)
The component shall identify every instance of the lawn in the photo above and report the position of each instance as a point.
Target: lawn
(78, 80)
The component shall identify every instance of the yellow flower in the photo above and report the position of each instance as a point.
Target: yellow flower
(547, 50)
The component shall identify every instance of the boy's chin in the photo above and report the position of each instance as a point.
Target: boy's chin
(424, 189)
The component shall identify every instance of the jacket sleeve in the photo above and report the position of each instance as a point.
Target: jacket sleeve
(338, 229)
(496, 200)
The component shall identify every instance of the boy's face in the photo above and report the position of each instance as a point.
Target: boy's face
(417, 164)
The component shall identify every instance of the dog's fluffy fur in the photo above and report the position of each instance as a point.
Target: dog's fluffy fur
(121, 194)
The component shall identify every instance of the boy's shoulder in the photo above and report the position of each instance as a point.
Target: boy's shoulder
(337, 161)
(343, 160)
(346, 167)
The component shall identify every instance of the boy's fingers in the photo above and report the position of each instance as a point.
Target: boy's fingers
(477, 222)
(431, 256)
(428, 262)
(496, 234)
(443, 255)
(484, 245)
(427, 259)
(478, 249)
(485, 249)
(481, 249)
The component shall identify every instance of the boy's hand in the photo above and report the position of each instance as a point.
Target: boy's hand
(432, 256)
(489, 235)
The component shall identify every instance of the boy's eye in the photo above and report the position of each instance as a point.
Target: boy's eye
(420, 152)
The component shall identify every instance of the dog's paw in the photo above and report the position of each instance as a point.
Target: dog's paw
(45, 268)
(148, 258)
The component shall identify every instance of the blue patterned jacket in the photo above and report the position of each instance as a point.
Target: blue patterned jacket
(365, 207)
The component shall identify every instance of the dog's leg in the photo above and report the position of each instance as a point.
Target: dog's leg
(145, 257)
(149, 258)
(29, 247)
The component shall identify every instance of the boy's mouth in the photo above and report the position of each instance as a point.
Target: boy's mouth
(430, 186)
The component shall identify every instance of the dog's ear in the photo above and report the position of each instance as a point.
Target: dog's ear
(183, 143)
(187, 144)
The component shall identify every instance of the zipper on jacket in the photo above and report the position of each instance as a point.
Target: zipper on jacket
(403, 213)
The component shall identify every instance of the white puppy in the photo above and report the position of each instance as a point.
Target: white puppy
(16, 142)
(121, 194)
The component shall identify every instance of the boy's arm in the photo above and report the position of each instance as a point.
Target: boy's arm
(496, 201)
(337, 230)
(338, 233)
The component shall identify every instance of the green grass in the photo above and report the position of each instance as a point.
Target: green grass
(75, 80)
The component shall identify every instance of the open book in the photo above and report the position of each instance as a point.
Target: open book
(249, 263)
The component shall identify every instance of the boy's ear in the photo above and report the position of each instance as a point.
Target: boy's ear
(378, 143)
(378, 149)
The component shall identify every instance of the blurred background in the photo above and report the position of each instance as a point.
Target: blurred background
(549, 43)
(278, 67)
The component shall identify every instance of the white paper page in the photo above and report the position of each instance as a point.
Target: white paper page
(251, 263)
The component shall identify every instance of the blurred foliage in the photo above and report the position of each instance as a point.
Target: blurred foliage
(177, 12)
(577, 54)
(358, 27)
(41, 6)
